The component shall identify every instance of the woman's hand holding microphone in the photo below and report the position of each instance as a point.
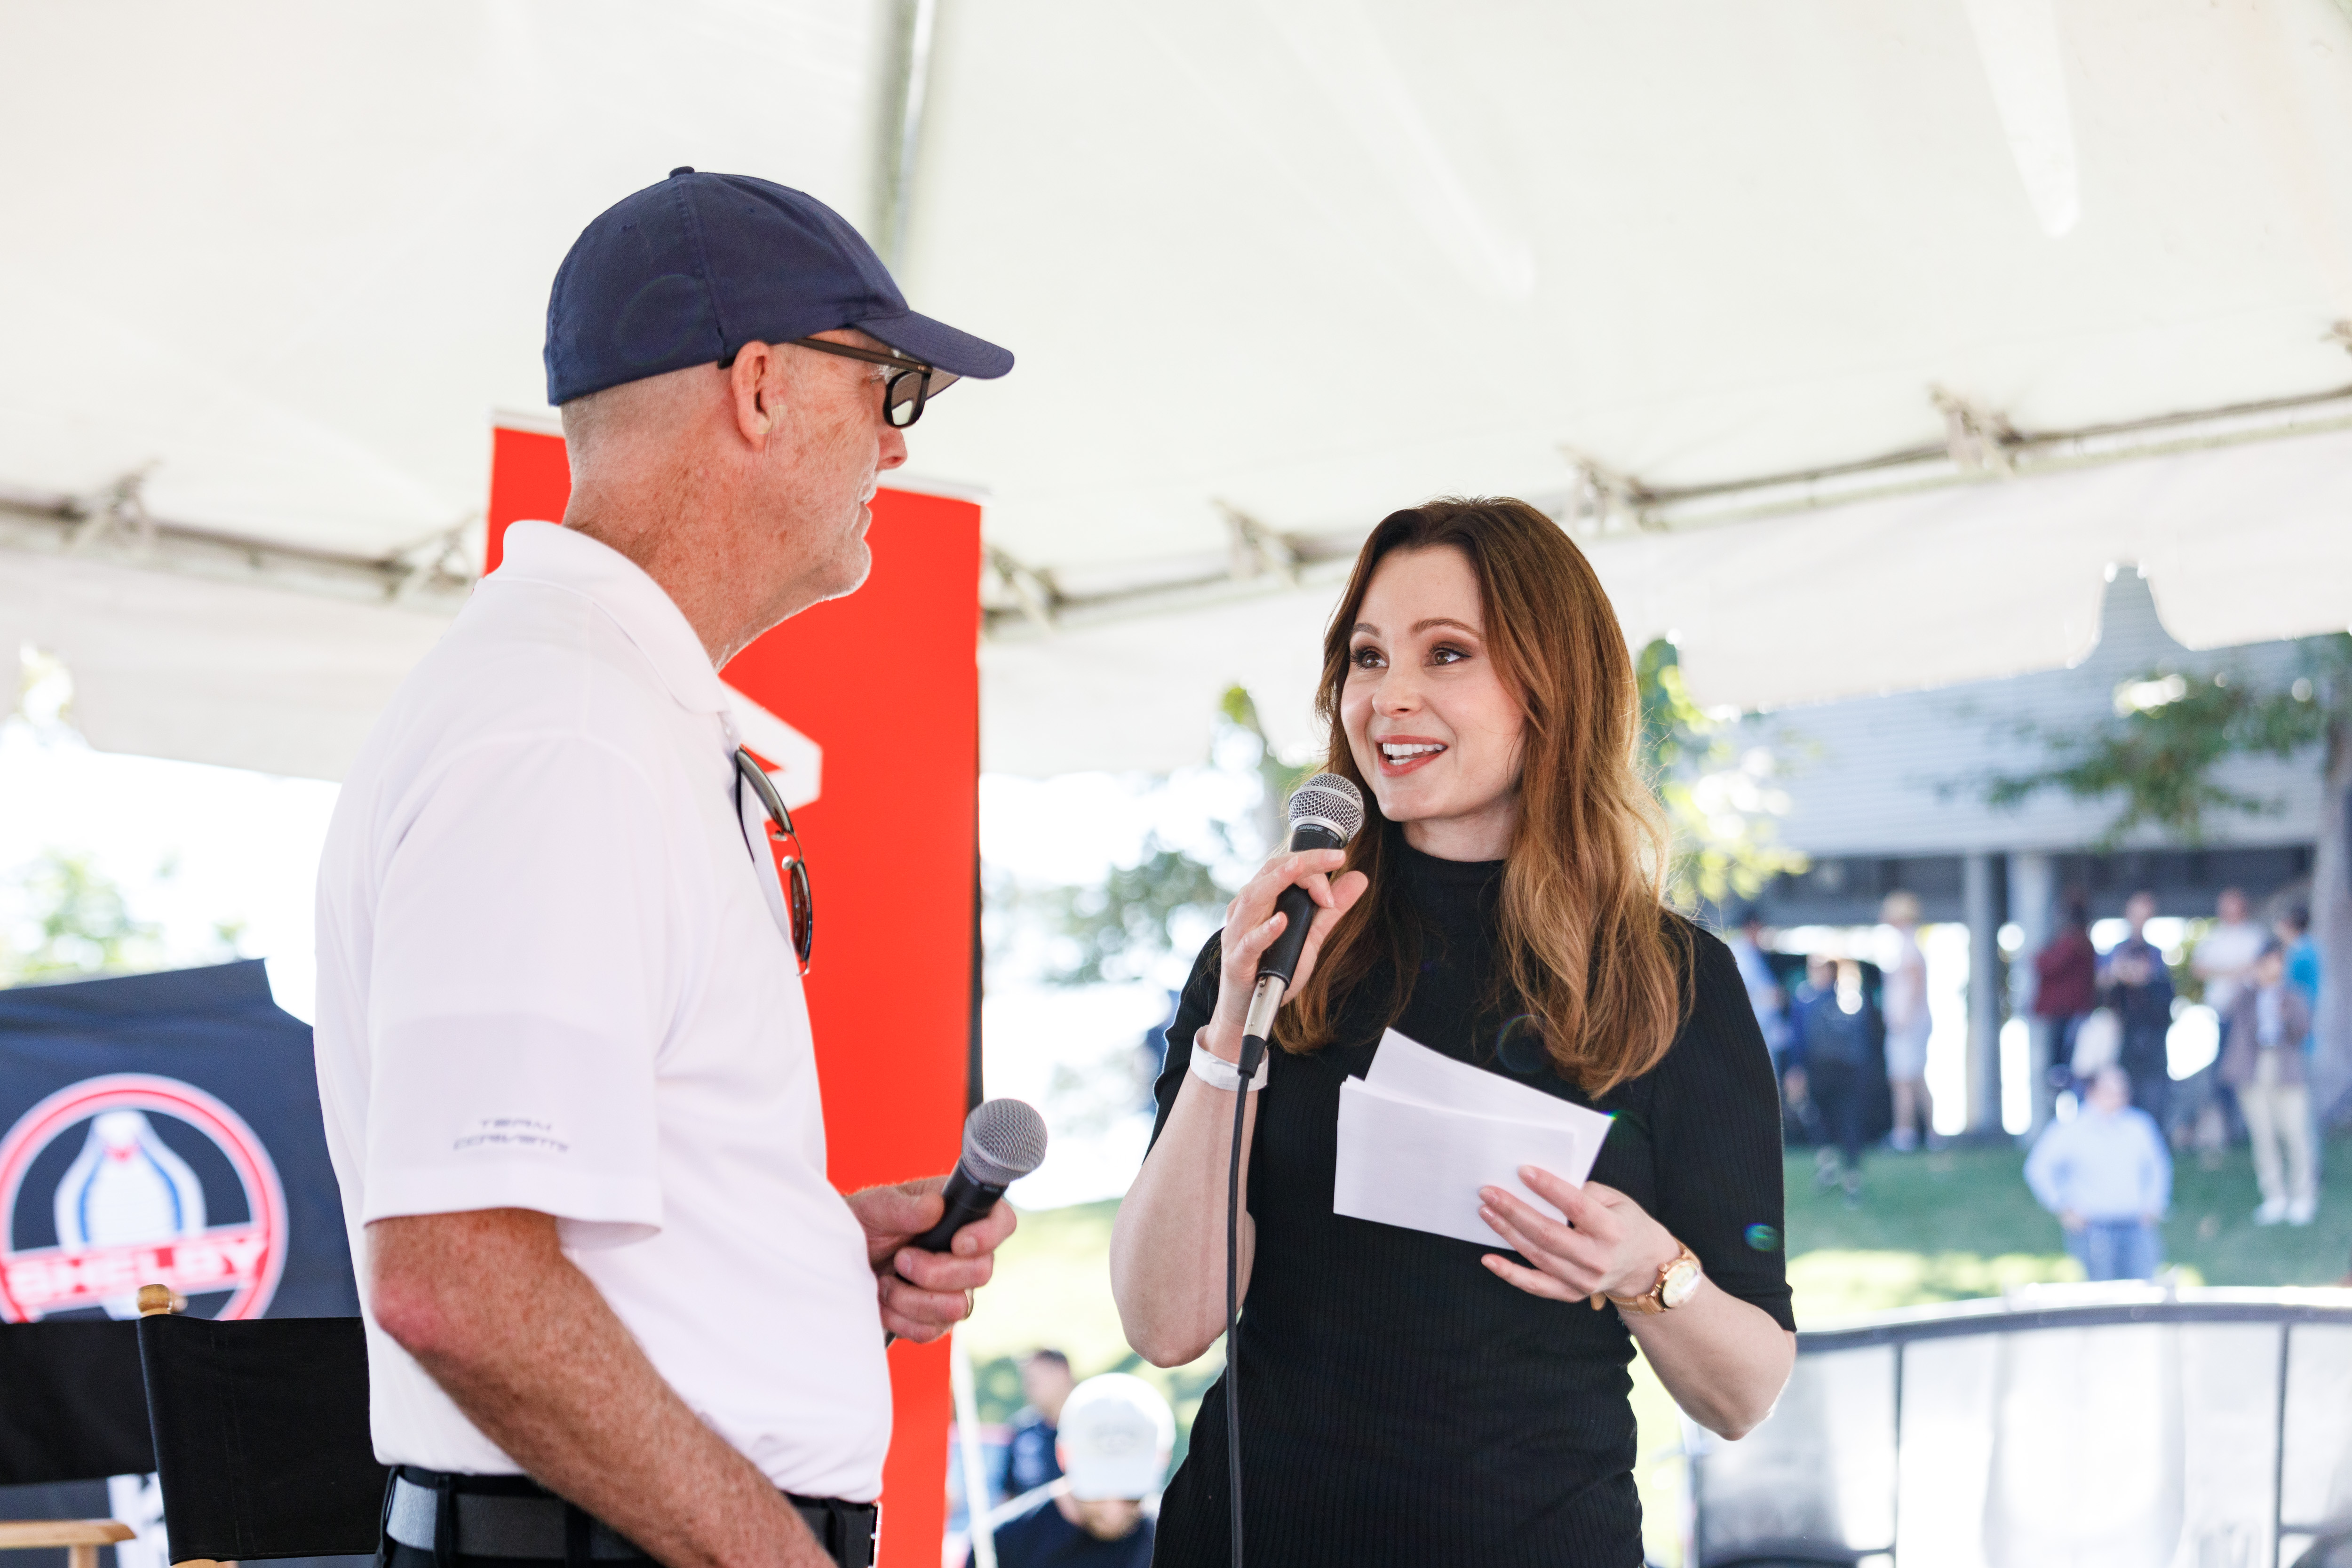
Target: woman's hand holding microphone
(1252, 924)
(1171, 1257)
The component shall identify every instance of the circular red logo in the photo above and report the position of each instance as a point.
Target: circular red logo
(130, 1211)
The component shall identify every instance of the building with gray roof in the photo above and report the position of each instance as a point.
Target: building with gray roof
(1888, 792)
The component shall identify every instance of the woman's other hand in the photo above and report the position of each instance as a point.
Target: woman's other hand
(1252, 923)
(1723, 1359)
(1610, 1246)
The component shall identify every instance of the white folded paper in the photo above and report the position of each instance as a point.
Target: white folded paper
(1422, 1133)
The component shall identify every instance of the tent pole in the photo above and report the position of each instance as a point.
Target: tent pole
(912, 29)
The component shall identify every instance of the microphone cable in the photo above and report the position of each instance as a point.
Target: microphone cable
(1252, 1054)
(1325, 811)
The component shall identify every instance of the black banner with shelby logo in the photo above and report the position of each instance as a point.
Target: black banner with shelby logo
(152, 1128)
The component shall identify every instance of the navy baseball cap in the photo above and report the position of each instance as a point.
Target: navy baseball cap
(688, 271)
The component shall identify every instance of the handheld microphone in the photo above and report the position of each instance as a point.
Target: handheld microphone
(1004, 1140)
(1325, 812)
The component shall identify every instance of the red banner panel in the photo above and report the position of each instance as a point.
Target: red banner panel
(528, 471)
(871, 714)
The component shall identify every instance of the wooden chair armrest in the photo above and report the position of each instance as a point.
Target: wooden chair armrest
(21, 1534)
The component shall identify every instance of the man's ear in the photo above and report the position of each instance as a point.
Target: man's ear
(755, 388)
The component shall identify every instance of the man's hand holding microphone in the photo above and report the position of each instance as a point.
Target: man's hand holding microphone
(933, 1242)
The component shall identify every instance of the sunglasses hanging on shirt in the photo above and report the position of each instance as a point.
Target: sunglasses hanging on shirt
(784, 849)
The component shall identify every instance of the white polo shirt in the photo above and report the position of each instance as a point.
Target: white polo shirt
(551, 976)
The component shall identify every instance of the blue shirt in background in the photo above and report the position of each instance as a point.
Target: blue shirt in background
(2103, 1165)
(1029, 1458)
(2303, 973)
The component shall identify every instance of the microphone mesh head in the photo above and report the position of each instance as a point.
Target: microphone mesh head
(1003, 1140)
(1331, 800)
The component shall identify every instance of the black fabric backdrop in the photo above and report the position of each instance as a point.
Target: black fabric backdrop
(218, 1030)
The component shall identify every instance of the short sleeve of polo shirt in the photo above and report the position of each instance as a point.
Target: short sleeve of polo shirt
(519, 984)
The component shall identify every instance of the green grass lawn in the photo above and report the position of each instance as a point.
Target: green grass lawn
(1946, 1226)
(1931, 1227)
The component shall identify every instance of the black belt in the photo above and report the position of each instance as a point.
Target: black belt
(514, 1516)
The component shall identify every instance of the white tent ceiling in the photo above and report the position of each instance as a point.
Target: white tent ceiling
(1292, 261)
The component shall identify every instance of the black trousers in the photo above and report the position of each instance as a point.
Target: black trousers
(2151, 1079)
(1836, 1090)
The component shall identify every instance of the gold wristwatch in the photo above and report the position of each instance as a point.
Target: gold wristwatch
(1678, 1278)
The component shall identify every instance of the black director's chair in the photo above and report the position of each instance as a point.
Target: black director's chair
(72, 1411)
(262, 1434)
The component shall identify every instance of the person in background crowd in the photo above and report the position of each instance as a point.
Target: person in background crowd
(2107, 1176)
(1152, 1050)
(2219, 960)
(1904, 1002)
(2226, 952)
(1801, 1115)
(2098, 1044)
(1117, 1434)
(1764, 993)
(2293, 928)
(1796, 1076)
(2139, 986)
(1834, 1049)
(2065, 982)
(2262, 1060)
(1029, 1461)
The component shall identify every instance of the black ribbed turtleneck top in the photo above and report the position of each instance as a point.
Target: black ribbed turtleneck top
(1401, 1406)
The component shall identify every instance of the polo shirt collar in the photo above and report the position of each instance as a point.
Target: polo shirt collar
(566, 558)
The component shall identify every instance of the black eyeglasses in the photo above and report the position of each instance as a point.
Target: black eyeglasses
(784, 846)
(905, 394)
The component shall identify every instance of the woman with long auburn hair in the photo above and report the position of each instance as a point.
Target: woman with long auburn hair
(1412, 1399)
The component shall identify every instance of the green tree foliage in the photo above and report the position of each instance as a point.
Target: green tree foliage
(74, 921)
(2172, 728)
(1122, 923)
(1720, 801)
(1277, 778)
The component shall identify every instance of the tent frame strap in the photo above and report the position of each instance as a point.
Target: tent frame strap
(1981, 447)
(113, 524)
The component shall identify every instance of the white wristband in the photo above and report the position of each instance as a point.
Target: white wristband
(1218, 1073)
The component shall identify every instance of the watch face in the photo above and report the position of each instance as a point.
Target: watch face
(1682, 1278)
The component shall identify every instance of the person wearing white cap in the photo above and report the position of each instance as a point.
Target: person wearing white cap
(1116, 1436)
